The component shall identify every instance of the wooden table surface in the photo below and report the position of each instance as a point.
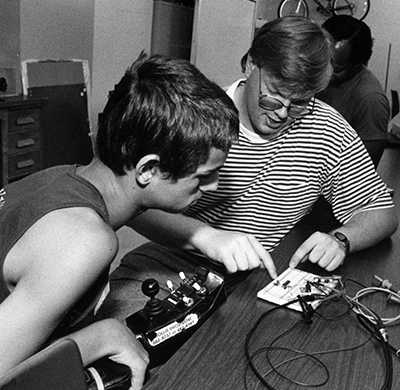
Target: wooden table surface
(214, 357)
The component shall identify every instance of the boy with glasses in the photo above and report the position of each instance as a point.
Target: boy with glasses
(295, 109)
(292, 149)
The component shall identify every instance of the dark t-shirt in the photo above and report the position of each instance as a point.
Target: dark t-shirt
(363, 103)
(24, 202)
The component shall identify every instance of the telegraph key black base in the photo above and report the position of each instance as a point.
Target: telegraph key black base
(163, 326)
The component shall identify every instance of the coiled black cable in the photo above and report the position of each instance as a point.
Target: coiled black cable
(376, 330)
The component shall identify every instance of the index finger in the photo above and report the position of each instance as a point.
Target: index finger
(301, 253)
(266, 260)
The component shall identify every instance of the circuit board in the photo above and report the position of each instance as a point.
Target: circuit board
(294, 282)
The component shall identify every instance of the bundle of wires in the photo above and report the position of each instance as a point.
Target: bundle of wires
(370, 320)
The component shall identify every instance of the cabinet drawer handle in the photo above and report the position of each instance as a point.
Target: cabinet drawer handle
(25, 164)
(25, 142)
(25, 120)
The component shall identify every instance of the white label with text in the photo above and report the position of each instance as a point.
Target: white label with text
(172, 329)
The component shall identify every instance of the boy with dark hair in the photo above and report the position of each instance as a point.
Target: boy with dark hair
(154, 97)
(57, 226)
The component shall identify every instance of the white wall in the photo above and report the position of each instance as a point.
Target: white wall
(384, 21)
(222, 34)
(121, 31)
(57, 29)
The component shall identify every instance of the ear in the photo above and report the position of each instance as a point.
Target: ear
(249, 66)
(146, 168)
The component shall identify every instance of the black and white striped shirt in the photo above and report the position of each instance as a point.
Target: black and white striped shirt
(267, 186)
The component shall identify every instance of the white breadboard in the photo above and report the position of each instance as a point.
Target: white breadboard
(292, 283)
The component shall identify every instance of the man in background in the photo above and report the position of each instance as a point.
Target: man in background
(354, 90)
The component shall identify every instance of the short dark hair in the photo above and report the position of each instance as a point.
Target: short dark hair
(166, 107)
(345, 27)
(296, 51)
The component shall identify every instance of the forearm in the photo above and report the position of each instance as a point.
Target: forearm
(362, 230)
(110, 338)
(367, 228)
(175, 230)
(236, 251)
(97, 340)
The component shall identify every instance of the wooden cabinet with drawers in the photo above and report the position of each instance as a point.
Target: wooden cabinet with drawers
(20, 138)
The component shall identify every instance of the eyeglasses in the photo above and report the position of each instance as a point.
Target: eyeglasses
(269, 103)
